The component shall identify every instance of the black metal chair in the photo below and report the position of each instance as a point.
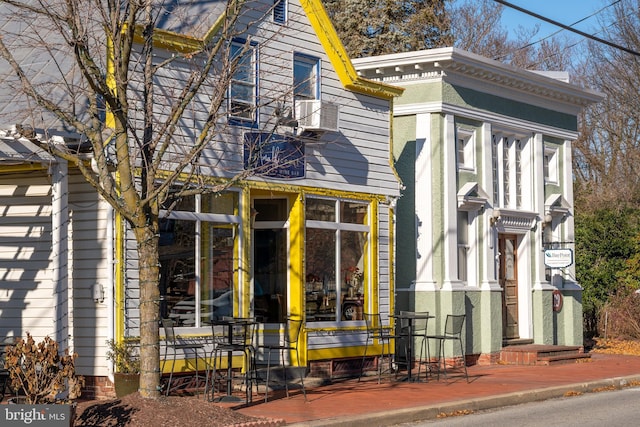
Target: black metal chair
(175, 344)
(419, 333)
(452, 332)
(377, 332)
(293, 330)
(238, 337)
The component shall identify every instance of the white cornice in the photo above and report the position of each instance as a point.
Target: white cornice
(474, 72)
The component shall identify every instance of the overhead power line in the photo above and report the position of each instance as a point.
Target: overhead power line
(568, 28)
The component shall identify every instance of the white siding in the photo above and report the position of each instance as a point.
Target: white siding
(89, 259)
(26, 293)
(26, 288)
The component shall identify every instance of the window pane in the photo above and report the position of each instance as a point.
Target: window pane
(177, 271)
(224, 203)
(305, 77)
(270, 277)
(242, 90)
(321, 270)
(270, 209)
(320, 210)
(353, 212)
(352, 245)
(216, 279)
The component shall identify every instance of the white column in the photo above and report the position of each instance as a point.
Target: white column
(450, 206)
(423, 204)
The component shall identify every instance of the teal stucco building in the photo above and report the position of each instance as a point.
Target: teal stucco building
(484, 153)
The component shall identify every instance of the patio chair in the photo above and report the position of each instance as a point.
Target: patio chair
(377, 332)
(452, 332)
(172, 342)
(293, 330)
(232, 335)
(419, 333)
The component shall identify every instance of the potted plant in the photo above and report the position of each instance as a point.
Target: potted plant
(126, 362)
(44, 379)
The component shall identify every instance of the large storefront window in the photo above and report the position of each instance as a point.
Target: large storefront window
(337, 233)
(198, 263)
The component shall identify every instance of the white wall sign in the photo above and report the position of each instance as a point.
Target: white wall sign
(558, 258)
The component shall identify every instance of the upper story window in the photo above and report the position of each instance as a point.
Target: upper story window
(465, 143)
(550, 165)
(280, 11)
(243, 86)
(306, 84)
(507, 169)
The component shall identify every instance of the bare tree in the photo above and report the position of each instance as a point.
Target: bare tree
(607, 154)
(150, 116)
(477, 27)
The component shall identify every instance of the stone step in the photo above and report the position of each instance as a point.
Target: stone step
(535, 354)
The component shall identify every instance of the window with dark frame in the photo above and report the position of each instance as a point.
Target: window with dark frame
(243, 86)
(306, 85)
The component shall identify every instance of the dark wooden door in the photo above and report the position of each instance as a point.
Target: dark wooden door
(509, 284)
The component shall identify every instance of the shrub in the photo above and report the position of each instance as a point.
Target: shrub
(41, 373)
(124, 357)
(620, 316)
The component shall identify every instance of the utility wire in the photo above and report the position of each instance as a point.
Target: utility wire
(568, 28)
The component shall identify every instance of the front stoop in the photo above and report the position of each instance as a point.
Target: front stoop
(536, 354)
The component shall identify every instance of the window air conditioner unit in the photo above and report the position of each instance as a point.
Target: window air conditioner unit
(316, 115)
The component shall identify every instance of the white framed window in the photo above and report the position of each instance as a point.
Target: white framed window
(508, 168)
(198, 257)
(280, 9)
(243, 88)
(337, 258)
(465, 149)
(306, 84)
(551, 165)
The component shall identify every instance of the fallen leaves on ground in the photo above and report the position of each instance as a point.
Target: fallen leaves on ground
(616, 346)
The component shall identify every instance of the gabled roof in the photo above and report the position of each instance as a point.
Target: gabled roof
(179, 34)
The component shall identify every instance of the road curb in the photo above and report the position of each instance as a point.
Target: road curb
(429, 412)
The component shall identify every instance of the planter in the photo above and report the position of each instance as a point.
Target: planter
(19, 413)
(125, 384)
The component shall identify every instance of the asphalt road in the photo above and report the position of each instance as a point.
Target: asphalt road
(607, 408)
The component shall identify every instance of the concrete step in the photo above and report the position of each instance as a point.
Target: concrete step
(535, 354)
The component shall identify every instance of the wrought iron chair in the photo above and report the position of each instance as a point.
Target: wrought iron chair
(452, 332)
(172, 342)
(293, 331)
(239, 338)
(377, 332)
(419, 333)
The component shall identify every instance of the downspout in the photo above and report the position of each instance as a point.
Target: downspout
(62, 293)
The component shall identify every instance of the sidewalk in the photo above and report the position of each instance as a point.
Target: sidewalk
(368, 404)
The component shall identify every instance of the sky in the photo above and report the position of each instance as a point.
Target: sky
(564, 11)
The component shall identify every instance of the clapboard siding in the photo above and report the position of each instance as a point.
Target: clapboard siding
(26, 291)
(89, 256)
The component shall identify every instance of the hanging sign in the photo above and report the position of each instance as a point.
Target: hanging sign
(272, 155)
(558, 258)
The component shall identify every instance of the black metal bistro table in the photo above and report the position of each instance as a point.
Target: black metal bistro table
(230, 345)
(410, 317)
